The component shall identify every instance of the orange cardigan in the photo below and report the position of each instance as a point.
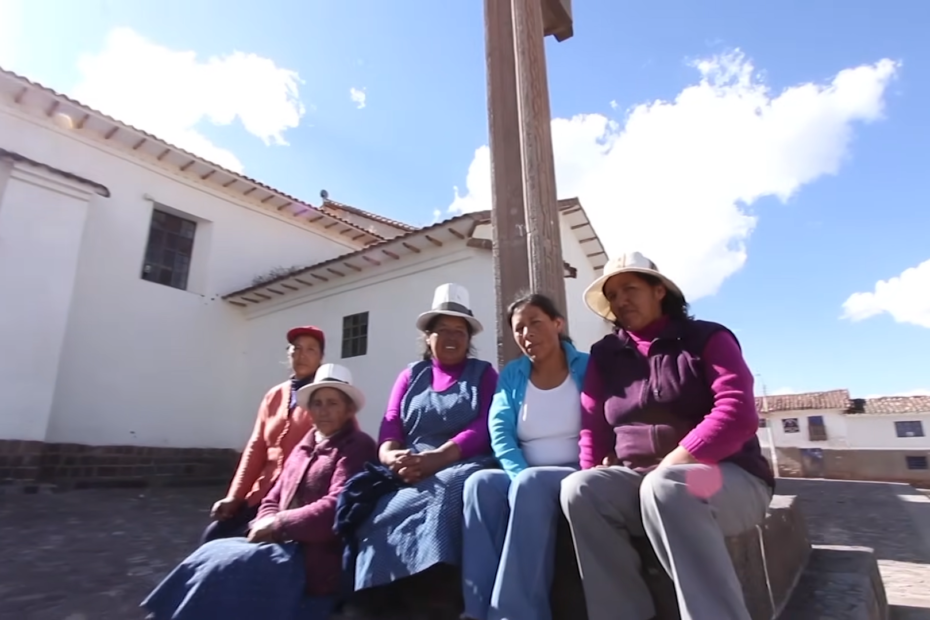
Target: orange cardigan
(274, 437)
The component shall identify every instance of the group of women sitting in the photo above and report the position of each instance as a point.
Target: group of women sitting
(652, 436)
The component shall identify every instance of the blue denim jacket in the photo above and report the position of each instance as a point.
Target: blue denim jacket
(508, 400)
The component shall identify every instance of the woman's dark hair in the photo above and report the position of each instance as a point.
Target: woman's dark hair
(427, 353)
(543, 303)
(674, 305)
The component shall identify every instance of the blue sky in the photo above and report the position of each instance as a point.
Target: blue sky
(769, 158)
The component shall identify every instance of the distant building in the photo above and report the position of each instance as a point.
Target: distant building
(830, 435)
(146, 293)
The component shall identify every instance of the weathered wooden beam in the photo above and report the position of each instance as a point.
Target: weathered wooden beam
(508, 219)
(557, 19)
(543, 234)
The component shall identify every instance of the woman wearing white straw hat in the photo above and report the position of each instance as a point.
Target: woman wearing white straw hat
(433, 436)
(668, 450)
(279, 426)
(290, 565)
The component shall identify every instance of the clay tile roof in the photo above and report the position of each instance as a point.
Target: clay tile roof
(333, 205)
(898, 404)
(834, 399)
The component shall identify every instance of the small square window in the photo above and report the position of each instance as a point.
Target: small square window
(763, 423)
(355, 335)
(816, 431)
(169, 250)
(909, 428)
(917, 462)
(790, 425)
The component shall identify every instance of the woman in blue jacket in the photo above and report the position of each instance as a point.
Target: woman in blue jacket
(534, 421)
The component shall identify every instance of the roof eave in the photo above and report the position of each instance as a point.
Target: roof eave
(98, 126)
(449, 232)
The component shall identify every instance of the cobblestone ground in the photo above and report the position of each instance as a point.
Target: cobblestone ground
(892, 519)
(93, 555)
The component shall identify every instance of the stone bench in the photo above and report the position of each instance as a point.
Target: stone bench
(839, 582)
(770, 561)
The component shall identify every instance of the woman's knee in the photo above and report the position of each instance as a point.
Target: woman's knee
(487, 485)
(576, 489)
(668, 486)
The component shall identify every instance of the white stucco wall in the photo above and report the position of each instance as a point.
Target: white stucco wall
(832, 419)
(586, 327)
(855, 431)
(393, 297)
(41, 222)
(143, 363)
(878, 431)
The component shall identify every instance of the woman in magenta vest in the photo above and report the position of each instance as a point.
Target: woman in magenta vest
(668, 451)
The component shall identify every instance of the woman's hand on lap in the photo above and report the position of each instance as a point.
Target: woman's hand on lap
(678, 456)
(225, 508)
(263, 530)
(396, 459)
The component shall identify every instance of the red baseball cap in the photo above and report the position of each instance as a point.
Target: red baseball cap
(307, 330)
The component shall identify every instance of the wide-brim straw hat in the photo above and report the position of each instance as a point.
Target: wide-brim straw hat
(332, 376)
(450, 300)
(633, 262)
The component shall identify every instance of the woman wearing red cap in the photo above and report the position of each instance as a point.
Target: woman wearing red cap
(279, 427)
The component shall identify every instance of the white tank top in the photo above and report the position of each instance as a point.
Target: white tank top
(549, 424)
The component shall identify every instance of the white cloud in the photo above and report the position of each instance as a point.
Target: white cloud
(358, 97)
(169, 93)
(675, 180)
(905, 297)
(11, 32)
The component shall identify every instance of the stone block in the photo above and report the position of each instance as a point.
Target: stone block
(786, 547)
(768, 560)
(839, 583)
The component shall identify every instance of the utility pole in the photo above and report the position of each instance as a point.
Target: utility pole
(524, 213)
(770, 435)
(508, 220)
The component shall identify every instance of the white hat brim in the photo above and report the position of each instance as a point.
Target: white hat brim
(306, 392)
(594, 297)
(424, 319)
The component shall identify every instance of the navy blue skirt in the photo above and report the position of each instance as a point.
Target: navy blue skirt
(237, 580)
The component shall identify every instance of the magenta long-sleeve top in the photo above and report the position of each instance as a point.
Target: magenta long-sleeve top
(723, 431)
(474, 439)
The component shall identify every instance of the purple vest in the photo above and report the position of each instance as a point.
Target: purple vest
(653, 402)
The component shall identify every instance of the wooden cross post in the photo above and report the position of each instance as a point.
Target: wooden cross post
(524, 211)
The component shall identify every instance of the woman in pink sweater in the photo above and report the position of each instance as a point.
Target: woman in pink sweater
(668, 451)
(289, 567)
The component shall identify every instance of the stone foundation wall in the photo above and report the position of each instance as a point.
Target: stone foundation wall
(79, 465)
(839, 464)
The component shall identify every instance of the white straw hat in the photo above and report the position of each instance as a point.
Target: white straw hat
(450, 300)
(633, 262)
(333, 376)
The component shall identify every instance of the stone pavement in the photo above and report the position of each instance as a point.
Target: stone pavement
(93, 555)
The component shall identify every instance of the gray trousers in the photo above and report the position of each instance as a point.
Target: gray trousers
(686, 511)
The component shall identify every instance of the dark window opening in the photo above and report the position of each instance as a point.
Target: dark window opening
(917, 462)
(909, 428)
(169, 250)
(816, 430)
(763, 423)
(355, 335)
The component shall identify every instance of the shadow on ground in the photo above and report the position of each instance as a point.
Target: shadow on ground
(95, 554)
